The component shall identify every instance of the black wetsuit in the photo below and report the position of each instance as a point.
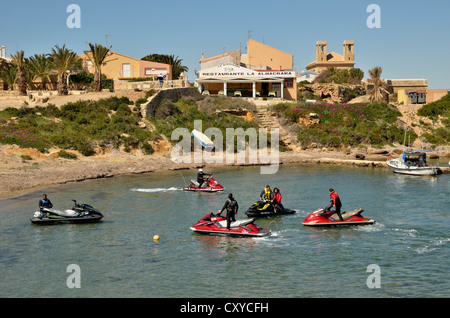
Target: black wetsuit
(201, 179)
(336, 201)
(232, 208)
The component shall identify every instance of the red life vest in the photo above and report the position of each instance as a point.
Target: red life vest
(277, 198)
(334, 196)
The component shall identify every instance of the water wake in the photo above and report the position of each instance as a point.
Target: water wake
(433, 245)
(153, 190)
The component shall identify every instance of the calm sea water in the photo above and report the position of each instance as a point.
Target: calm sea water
(119, 258)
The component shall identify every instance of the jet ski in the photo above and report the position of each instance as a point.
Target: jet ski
(330, 218)
(211, 186)
(217, 225)
(80, 213)
(264, 208)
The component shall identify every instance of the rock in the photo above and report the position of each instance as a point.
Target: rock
(333, 92)
(360, 156)
(433, 156)
(378, 152)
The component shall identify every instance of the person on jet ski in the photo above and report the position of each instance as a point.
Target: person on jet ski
(276, 200)
(232, 208)
(266, 194)
(44, 202)
(201, 178)
(334, 202)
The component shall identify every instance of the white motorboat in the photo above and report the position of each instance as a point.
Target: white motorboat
(412, 163)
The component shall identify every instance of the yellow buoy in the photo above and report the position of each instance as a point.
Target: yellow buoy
(156, 237)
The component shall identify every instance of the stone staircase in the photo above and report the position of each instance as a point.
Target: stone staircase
(269, 120)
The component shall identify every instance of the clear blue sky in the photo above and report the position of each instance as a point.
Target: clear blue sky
(413, 41)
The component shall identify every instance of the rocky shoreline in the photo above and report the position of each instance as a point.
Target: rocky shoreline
(26, 170)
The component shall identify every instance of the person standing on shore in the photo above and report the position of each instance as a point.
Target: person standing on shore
(161, 80)
(335, 202)
(232, 208)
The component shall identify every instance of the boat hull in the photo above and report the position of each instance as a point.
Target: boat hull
(414, 171)
(58, 220)
(217, 225)
(319, 219)
(412, 163)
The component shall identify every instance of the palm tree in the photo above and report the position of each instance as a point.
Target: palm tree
(376, 93)
(175, 62)
(8, 75)
(62, 60)
(177, 67)
(22, 82)
(40, 67)
(97, 55)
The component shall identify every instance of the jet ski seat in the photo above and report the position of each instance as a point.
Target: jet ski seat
(67, 213)
(347, 214)
(237, 223)
(195, 183)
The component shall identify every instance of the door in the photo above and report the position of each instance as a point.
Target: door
(126, 70)
(264, 89)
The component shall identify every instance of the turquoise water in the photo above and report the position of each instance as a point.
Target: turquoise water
(119, 258)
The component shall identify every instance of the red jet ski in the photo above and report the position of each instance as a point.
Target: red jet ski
(330, 218)
(217, 225)
(211, 186)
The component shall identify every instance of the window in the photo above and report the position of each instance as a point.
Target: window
(289, 82)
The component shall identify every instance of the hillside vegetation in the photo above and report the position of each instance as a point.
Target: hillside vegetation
(112, 123)
(338, 124)
(437, 111)
(81, 126)
(117, 123)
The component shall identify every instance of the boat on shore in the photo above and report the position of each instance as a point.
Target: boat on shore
(412, 163)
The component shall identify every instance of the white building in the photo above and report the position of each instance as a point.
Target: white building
(306, 76)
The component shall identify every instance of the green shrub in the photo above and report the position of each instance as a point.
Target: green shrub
(67, 155)
(147, 149)
(440, 107)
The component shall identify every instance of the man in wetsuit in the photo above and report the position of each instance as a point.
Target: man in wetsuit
(44, 202)
(334, 202)
(232, 208)
(201, 178)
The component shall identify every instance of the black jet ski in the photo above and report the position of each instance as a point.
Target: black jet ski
(80, 213)
(264, 208)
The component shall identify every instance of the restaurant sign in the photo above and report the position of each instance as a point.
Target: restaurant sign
(235, 71)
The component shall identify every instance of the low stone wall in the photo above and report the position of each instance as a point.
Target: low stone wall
(41, 93)
(123, 85)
